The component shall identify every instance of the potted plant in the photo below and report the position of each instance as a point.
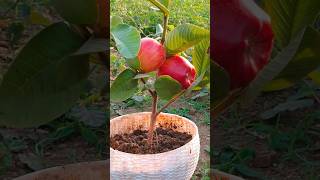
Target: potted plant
(156, 145)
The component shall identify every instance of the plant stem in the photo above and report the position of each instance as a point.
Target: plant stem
(171, 101)
(165, 27)
(165, 12)
(153, 119)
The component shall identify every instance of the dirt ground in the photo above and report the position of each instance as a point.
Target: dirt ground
(270, 162)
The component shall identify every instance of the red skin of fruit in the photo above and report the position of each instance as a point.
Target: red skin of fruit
(242, 39)
(179, 69)
(151, 55)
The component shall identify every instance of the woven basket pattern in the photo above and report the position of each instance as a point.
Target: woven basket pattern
(178, 164)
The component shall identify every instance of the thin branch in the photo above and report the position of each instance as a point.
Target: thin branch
(151, 92)
(165, 27)
(171, 101)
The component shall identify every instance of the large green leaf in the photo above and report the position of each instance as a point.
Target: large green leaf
(289, 17)
(124, 86)
(271, 70)
(183, 37)
(167, 87)
(127, 40)
(115, 21)
(44, 81)
(77, 11)
(200, 57)
(304, 62)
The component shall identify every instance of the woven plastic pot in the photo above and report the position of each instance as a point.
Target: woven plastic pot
(97, 170)
(178, 164)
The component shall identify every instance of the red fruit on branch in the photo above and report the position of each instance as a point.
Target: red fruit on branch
(179, 69)
(242, 39)
(151, 55)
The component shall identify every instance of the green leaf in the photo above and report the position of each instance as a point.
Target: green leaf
(133, 63)
(305, 61)
(183, 37)
(115, 21)
(77, 11)
(44, 81)
(93, 45)
(127, 40)
(271, 70)
(167, 87)
(221, 82)
(315, 76)
(124, 86)
(289, 17)
(200, 57)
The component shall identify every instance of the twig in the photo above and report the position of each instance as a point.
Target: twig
(144, 82)
(171, 101)
(165, 27)
(165, 12)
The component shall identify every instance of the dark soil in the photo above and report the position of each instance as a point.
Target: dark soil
(137, 141)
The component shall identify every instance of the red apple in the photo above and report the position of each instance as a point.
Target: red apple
(242, 39)
(151, 55)
(179, 69)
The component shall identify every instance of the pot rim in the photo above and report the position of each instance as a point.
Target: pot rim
(167, 152)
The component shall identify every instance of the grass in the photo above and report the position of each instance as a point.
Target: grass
(140, 13)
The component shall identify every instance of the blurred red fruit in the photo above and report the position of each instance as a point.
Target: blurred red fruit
(242, 39)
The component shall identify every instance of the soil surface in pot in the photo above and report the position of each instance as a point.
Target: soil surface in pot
(137, 141)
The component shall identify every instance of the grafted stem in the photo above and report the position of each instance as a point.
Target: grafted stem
(153, 118)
